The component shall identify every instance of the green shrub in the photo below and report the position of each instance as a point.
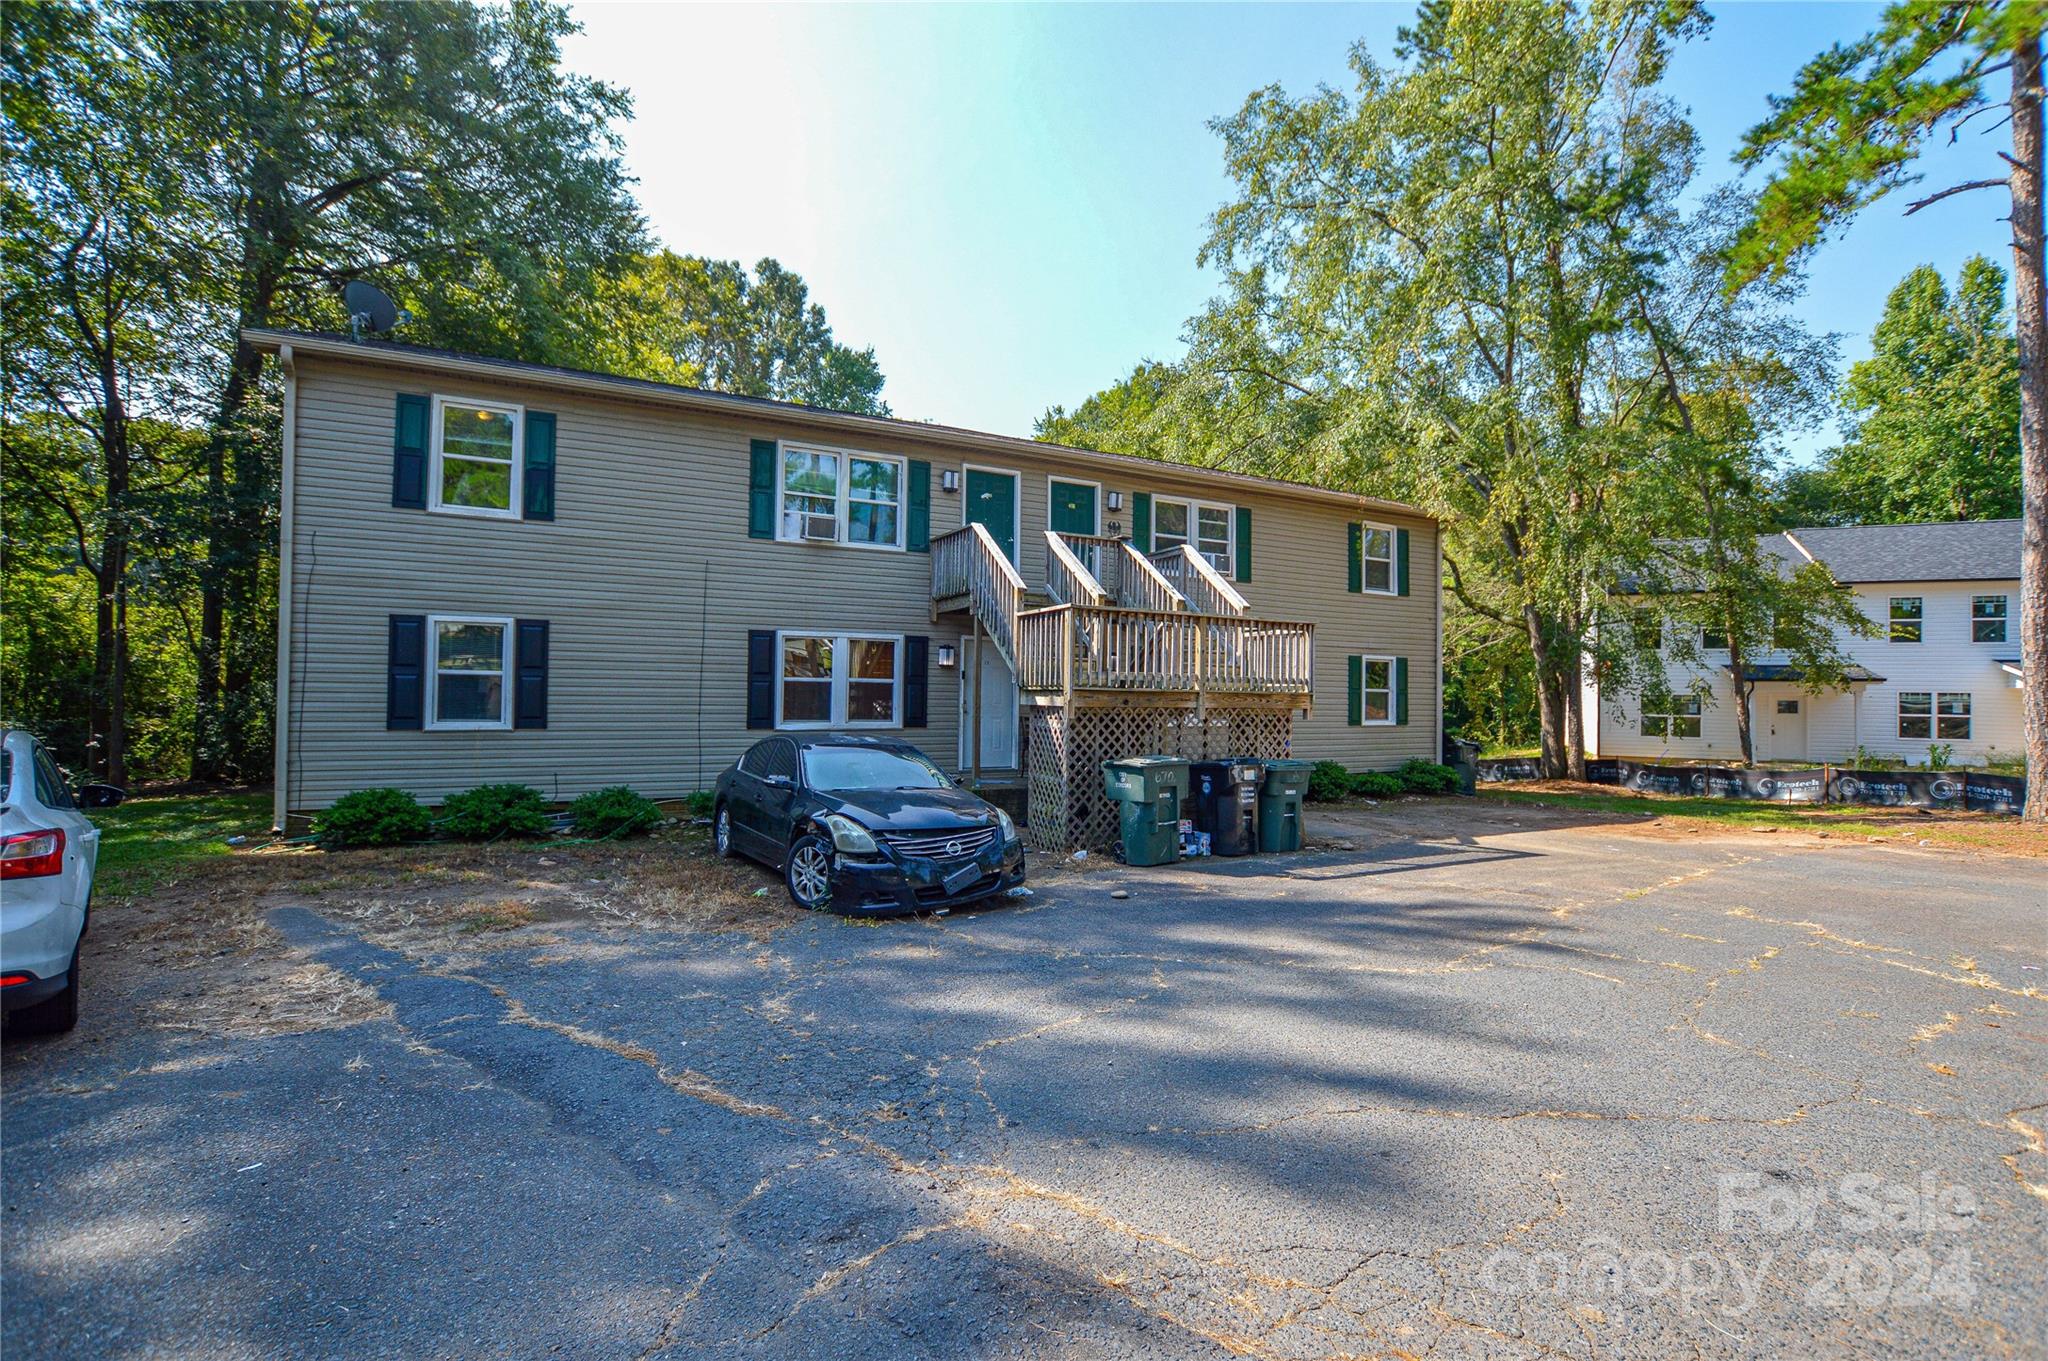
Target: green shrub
(616, 811)
(373, 817)
(1377, 784)
(1328, 782)
(700, 804)
(1427, 777)
(491, 811)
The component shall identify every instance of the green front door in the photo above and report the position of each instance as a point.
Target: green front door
(992, 501)
(1073, 507)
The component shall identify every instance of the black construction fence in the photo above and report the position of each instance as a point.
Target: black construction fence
(1970, 789)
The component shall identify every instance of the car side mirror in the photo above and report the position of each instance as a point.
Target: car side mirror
(100, 795)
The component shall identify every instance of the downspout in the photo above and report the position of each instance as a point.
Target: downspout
(280, 800)
(1438, 539)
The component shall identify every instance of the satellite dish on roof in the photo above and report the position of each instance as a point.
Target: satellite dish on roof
(370, 309)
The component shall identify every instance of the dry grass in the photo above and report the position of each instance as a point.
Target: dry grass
(1673, 816)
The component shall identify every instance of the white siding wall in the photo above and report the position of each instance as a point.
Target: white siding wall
(1838, 722)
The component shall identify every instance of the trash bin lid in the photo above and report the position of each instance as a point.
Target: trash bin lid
(1143, 762)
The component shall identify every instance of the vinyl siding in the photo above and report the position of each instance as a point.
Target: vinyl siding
(650, 584)
(1838, 722)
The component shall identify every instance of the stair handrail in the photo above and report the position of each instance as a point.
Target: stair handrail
(1144, 586)
(1067, 578)
(1207, 590)
(992, 584)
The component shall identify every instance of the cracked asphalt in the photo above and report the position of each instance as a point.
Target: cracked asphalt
(1510, 1086)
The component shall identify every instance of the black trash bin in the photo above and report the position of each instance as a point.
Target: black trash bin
(1224, 797)
(1463, 756)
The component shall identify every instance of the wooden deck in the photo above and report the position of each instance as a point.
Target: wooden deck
(1123, 628)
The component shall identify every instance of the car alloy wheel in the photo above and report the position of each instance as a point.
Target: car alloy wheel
(721, 832)
(808, 872)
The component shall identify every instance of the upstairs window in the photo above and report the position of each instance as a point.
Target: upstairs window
(838, 496)
(1987, 619)
(1680, 719)
(476, 458)
(1712, 639)
(1208, 527)
(1376, 556)
(1905, 620)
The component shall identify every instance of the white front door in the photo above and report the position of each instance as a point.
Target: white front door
(1786, 730)
(997, 712)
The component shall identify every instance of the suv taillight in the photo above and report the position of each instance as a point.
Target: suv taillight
(29, 855)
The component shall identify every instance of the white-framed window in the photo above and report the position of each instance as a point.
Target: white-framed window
(1712, 639)
(1375, 690)
(839, 680)
(1680, 719)
(846, 496)
(477, 467)
(1210, 526)
(469, 675)
(1376, 558)
(1905, 619)
(1987, 619)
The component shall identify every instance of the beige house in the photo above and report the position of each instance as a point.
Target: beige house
(495, 571)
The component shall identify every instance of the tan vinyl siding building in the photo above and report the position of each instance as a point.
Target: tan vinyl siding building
(650, 583)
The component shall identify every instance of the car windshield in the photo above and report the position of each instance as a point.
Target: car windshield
(870, 768)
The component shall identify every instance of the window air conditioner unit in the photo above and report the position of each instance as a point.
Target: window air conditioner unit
(821, 528)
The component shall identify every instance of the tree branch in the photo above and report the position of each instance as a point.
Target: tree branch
(1954, 189)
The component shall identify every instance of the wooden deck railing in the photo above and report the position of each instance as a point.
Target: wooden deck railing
(969, 562)
(1068, 647)
(1067, 579)
(1207, 590)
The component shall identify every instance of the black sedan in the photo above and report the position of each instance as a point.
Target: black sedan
(866, 826)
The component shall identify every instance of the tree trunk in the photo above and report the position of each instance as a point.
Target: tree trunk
(1550, 700)
(1744, 725)
(1575, 717)
(2031, 299)
(108, 756)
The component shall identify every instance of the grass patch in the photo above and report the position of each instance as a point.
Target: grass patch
(1974, 831)
(148, 842)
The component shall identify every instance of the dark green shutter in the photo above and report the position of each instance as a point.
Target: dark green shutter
(1400, 690)
(405, 671)
(1401, 561)
(920, 537)
(761, 678)
(530, 665)
(1141, 521)
(1354, 690)
(1356, 581)
(761, 491)
(916, 679)
(538, 478)
(1244, 543)
(409, 451)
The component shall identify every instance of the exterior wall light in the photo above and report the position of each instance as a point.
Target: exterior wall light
(947, 656)
(949, 480)
(1116, 500)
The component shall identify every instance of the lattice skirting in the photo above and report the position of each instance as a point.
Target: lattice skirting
(1066, 749)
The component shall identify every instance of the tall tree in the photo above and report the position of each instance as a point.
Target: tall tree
(1848, 135)
(1936, 434)
(1455, 272)
(89, 270)
(707, 323)
(439, 146)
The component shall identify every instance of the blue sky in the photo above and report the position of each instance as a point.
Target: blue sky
(1006, 201)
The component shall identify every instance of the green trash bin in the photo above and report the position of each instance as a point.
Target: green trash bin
(1148, 791)
(1280, 797)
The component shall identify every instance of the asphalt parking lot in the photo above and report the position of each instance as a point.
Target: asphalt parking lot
(1510, 1085)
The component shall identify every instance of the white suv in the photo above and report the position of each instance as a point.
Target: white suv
(47, 851)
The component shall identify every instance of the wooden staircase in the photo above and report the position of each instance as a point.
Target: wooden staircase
(1113, 625)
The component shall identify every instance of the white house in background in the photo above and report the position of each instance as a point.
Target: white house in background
(1943, 670)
